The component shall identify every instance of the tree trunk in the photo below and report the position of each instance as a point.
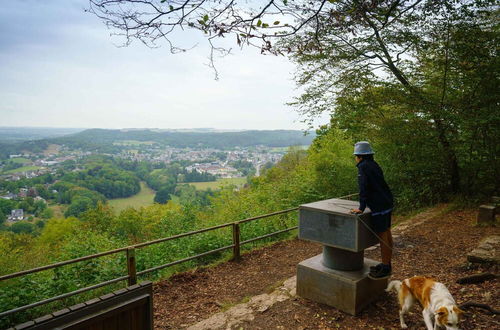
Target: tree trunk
(451, 157)
(449, 153)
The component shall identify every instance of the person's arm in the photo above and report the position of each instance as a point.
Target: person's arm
(363, 188)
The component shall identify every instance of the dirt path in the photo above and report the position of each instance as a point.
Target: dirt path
(432, 243)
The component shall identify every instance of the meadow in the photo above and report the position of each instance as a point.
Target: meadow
(145, 197)
(133, 143)
(239, 182)
(22, 169)
(20, 160)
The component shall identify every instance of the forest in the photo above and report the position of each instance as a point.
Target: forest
(419, 80)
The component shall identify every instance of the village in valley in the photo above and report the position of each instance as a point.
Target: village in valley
(52, 163)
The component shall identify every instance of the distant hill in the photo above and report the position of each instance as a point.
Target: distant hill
(110, 141)
(184, 139)
(16, 134)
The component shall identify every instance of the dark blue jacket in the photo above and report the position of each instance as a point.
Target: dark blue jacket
(373, 190)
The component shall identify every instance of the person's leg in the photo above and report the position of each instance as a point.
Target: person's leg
(382, 226)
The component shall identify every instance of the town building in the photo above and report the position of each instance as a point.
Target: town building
(16, 215)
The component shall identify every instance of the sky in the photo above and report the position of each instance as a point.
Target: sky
(59, 67)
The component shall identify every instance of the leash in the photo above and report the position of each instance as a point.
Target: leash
(344, 206)
(373, 232)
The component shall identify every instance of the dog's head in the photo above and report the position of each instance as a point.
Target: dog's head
(448, 317)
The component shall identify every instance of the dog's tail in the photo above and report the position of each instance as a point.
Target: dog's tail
(394, 285)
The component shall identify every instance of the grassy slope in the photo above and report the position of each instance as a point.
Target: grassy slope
(58, 210)
(143, 198)
(20, 160)
(219, 183)
(22, 169)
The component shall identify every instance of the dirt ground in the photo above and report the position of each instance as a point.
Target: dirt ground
(433, 243)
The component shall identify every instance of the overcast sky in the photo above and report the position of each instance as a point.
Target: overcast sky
(59, 67)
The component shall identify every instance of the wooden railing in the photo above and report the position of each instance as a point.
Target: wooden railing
(132, 275)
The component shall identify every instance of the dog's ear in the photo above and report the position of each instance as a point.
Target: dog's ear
(442, 311)
(459, 312)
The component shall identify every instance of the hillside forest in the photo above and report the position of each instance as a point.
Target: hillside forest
(433, 119)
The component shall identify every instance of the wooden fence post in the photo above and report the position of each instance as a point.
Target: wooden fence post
(132, 272)
(236, 241)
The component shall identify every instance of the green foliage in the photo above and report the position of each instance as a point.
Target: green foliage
(163, 194)
(22, 227)
(47, 213)
(195, 176)
(190, 196)
(420, 88)
(6, 206)
(105, 178)
(245, 167)
(78, 205)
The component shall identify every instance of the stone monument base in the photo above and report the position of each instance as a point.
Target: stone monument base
(348, 291)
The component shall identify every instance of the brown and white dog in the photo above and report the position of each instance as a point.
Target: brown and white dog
(436, 301)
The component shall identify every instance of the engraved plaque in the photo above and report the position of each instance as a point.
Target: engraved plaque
(329, 222)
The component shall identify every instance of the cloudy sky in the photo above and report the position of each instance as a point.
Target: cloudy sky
(59, 67)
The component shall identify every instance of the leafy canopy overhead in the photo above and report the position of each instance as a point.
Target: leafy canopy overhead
(357, 33)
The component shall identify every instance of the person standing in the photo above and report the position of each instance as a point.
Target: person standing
(376, 194)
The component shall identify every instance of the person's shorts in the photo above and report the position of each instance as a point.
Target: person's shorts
(381, 223)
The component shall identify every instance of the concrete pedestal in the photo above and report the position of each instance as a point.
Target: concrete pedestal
(340, 259)
(348, 291)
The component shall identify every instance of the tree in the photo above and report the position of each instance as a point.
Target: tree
(163, 194)
(79, 205)
(22, 227)
(42, 191)
(47, 213)
(6, 205)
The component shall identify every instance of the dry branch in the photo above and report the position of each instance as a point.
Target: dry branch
(476, 278)
(479, 305)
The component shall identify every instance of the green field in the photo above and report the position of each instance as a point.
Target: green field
(20, 160)
(145, 197)
(58, 210)
(133, 143)
(22, 169)
(239, 182)
(285, 149)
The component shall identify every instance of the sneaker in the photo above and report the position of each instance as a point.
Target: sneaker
(383, 272)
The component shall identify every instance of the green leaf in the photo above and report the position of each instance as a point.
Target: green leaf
(276, 23)
(265, 25)
(205, 18)
(171, 7)
(259, 23)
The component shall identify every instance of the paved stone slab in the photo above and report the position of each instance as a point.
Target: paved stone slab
(488, 251)
(247, 311)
